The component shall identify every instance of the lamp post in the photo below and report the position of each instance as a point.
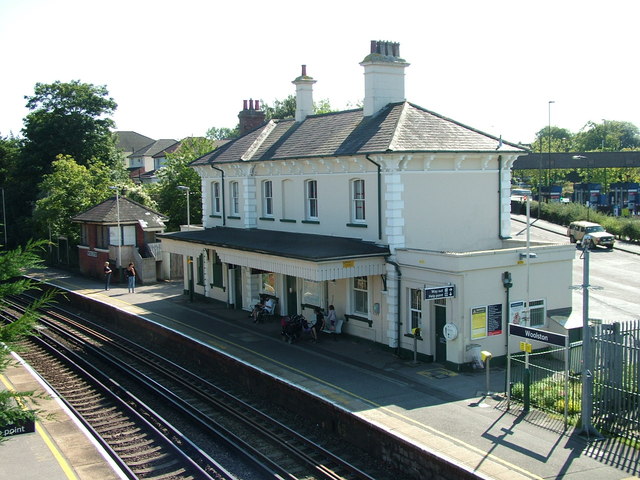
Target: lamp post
(119, 261)
(586, 407)
(549, 149)
(186, 189)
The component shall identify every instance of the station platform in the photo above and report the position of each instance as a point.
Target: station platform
(451, 414)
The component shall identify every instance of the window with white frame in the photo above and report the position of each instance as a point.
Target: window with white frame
(357, 201)
(360, 296)
(268, 283)
(536, 313)
(311, 199)
(235, 198)
(267, 198)
(415, 307)
(215, 198)
(312, 292)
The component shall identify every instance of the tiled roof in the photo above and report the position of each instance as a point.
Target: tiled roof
(399, 127)
(130, 213)
(284, 244)
(153, 148)
(128, 141)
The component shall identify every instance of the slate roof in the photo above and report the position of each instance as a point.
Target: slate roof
(128, 141)
(283, 244)
(399, 127)
(154, 147)
(131, 212)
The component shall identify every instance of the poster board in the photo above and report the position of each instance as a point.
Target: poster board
(486, 320)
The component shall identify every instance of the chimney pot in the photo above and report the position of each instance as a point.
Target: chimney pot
(244, 104)
(374, 46)
(304, 70)
(257, 104)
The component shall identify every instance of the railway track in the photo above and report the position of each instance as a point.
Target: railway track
(271, 447)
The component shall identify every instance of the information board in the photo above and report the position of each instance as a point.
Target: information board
(494, 319)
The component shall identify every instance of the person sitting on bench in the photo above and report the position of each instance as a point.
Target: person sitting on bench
(266, 306)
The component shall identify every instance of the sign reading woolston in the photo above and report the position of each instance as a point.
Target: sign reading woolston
(539, 335)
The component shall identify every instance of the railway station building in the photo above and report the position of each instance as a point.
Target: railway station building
(359, 209)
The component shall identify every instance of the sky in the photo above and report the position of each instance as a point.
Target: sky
(178, 68)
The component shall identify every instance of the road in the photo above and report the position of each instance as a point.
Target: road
(613, 274)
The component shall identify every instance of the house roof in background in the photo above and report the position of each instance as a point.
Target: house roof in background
(154, 148)
(130, 213)
(128, 141)
(399, 127)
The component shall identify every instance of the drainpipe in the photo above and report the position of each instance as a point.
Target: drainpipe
(379, 196)
(224, 218)
(399, 273)
(500, 200)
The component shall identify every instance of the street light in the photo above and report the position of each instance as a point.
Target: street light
(186, 189)
(549, 149)
(586, 407)
(117, 189)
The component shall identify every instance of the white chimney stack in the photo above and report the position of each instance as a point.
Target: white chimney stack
(383, 76)
(304, 95)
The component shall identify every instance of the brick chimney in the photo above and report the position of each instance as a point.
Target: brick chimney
(251, 116)
(304, 95)
(383, 76)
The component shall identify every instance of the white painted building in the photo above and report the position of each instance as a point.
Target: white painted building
(366, 210)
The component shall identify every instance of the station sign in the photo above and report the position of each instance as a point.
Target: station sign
(19, 428)
(439, 292)
(537, 334)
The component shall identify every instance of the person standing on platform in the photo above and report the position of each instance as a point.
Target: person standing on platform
(318, 326)
(332, 318)
(131, 278)
(107, 275)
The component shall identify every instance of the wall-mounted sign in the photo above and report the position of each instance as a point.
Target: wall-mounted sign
(348, 264)
(91, 253)
(478, 322)
(439, 292)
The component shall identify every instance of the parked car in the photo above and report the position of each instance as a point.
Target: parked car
(597, 234)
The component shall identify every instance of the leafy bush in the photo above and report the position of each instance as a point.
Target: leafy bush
(565, 213)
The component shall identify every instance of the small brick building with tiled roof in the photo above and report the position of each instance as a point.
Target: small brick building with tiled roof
(120, 230)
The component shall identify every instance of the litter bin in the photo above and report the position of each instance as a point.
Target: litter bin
(476, 355)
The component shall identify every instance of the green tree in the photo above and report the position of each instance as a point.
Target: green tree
(70, 119)
(67, 191)
(14, 263)
(287, 108)
(608, 136)
(559, 139)
(223, 133)
(173, 201)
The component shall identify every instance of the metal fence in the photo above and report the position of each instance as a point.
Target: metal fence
(616, 375)
(616, 400)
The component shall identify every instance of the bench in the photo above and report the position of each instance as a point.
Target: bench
(265, 315)
(337, 331)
